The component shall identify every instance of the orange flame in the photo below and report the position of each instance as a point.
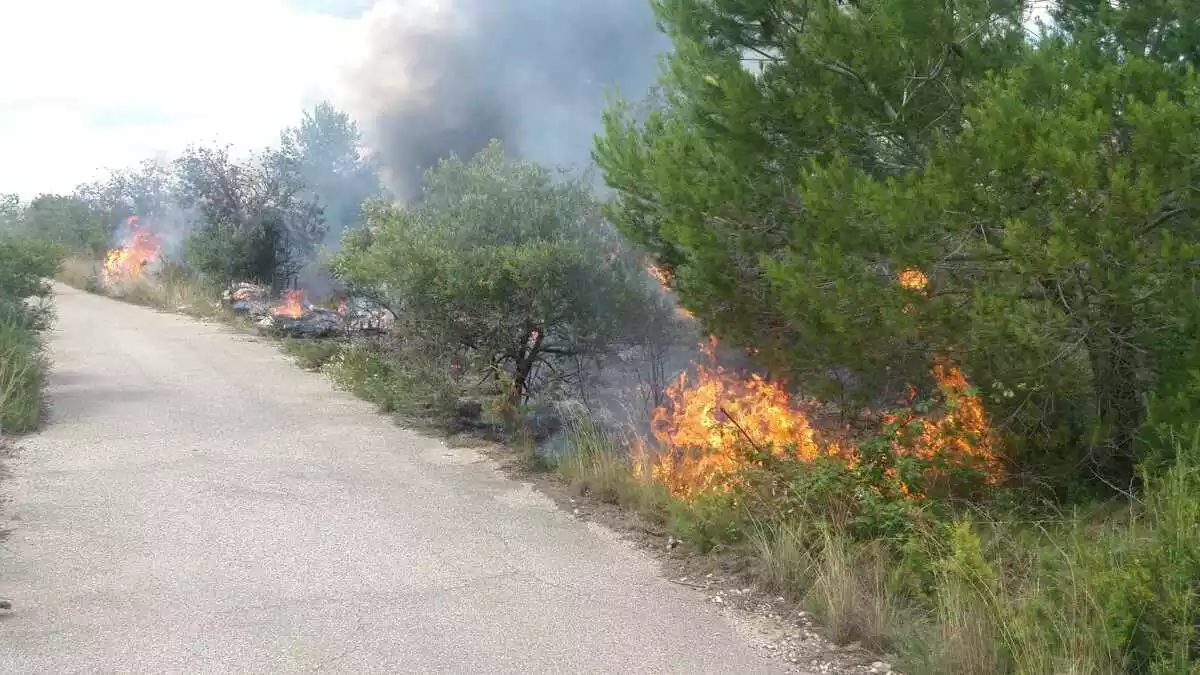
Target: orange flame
(660, 275)
(664, 280)
(128, 261)
(292, 306)
(707, 424)
(960, 434)
(913, 279)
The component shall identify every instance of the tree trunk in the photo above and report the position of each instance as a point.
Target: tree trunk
(526, 358)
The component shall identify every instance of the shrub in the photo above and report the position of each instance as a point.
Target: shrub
(503, 269)
(22, 372)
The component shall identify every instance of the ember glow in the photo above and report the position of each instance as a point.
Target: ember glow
(292, 305)
(913, 279)
(129, 261)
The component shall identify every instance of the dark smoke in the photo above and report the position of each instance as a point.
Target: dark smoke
(532, 73)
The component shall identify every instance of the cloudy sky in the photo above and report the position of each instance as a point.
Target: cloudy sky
(91, 84)
(94, 85)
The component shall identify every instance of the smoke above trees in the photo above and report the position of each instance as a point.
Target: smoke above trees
(448, 76)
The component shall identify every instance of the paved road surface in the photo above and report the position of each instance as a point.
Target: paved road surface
(198, 504)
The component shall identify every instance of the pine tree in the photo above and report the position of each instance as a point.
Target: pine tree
(806, 154)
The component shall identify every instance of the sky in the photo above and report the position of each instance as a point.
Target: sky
(89, 86)
(94, 85)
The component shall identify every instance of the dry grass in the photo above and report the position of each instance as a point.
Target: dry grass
(1078, 596)
(170, 290)
(850, 592)
(597, 466)
(80, 273)
(844, 582)
(782, 555)
(182, 295)
(970, 634)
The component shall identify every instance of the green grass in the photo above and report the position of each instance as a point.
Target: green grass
(24, 312)
(312, 354)
(23, 369)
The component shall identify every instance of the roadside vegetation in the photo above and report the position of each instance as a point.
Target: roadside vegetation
(25, 312)
(958, 264)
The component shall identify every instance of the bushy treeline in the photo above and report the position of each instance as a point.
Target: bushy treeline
(804, 154)
(254, 218)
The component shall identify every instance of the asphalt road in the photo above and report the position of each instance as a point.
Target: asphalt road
(198, 504)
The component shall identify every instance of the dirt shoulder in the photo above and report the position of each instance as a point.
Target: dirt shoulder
(783, 630)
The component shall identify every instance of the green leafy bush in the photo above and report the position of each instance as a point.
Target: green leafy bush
(22, 372)
(504, 269)
(25, 265)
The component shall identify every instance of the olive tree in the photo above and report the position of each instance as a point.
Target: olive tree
(505, 267)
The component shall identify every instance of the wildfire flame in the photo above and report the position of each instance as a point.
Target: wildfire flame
(660, 275)
(292, 305)
(664, 280)
(961, 434)
(710, 420)
(913, 279)
(128, 261)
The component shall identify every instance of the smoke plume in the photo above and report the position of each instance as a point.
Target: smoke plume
(449, 75)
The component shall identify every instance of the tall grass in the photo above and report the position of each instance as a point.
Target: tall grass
(596, 465)
(23, 369)
(1099, 591)
(173, 291)
(173, 288)
(81, 273)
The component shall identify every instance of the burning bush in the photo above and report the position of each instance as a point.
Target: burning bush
(717, 425)
(139, 249)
